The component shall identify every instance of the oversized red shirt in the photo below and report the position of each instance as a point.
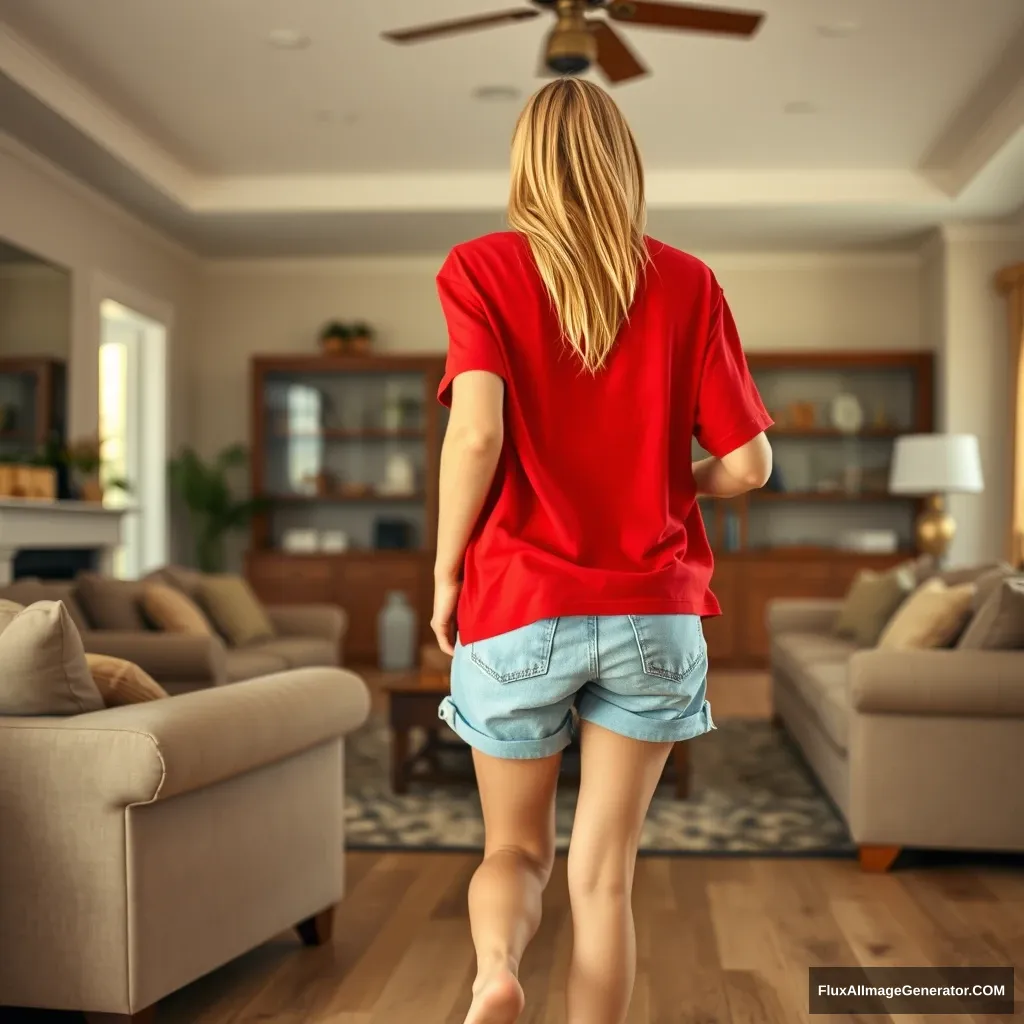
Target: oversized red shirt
(593, 508)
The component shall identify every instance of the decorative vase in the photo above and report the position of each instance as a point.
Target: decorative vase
(360, 345)
(396, 634)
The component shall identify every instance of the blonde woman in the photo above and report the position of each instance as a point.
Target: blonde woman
(572, 564)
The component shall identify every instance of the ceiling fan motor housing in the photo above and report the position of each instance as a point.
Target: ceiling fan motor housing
(572, 47)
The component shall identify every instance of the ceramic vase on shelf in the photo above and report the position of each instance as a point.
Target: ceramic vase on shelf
(396, 634)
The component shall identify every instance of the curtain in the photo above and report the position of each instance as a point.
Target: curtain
(1011, 281)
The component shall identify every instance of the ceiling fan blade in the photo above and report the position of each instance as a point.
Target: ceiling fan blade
(614, 57)
(689, 17)
(446, 28)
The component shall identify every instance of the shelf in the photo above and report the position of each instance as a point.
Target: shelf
(809, 497)
(348, 435)
(831, 434)
(342, 499)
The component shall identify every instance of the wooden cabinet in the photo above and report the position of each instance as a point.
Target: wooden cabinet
(747, 582)
(358, 581)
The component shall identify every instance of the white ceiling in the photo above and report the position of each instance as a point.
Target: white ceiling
(183, 111)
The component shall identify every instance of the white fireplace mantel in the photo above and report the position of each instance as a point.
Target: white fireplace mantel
(57, 524)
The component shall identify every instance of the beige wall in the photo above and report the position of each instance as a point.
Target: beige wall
(976, 385)
(46, 213)
(35, 311)
(786, 301)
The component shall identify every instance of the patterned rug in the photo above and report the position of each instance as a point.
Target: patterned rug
(750, 793)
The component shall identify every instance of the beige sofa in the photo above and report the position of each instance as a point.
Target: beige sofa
(915, 748)
(307, 636)
(144, 846)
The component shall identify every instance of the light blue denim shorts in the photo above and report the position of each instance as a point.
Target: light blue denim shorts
(517, 695)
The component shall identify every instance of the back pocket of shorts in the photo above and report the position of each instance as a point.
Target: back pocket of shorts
(519, 654)
(671, 646)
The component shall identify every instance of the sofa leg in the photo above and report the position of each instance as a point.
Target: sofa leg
(878, 858)
(146, 1016)
(317, 930)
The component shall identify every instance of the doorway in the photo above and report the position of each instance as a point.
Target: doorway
(133, 433)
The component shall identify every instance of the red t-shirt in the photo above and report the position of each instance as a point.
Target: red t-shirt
(593, 509)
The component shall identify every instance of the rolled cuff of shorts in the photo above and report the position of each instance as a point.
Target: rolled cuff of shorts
(650, 730)
(517, 750)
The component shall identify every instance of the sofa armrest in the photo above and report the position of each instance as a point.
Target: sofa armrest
(167, 657)
(326, 621)
(978, 684)
(802, 615)
(140, 753)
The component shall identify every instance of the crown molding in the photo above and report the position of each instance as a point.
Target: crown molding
(18, 151)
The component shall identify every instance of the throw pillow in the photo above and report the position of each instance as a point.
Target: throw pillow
(870, 603)
(989, 582)
(177, 576)
(122, 682)
(234, 609)
(933, 616)
(172, 611)
(110, 603)
(999, 623)
(42, 664)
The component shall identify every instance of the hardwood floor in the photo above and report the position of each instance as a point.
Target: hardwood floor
(720, 941)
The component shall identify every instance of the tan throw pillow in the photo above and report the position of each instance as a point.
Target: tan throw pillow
(933, 616)
(999, 624)
(122, 682)
(870, 603)
(234, 609)
(42, 665)
(110, 603)
(170, 610)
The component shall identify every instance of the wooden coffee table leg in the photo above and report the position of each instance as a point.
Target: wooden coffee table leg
(681, 762)
(399, 759)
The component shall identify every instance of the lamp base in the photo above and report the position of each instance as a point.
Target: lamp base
(935, 528)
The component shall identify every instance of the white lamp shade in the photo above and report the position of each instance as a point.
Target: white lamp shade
(936, 464)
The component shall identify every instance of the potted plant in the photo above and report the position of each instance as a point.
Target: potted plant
(214, 512)
(334, 338)
(84, 460)
(361, 339)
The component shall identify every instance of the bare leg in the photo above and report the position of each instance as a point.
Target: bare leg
(518, 799)
(619, 777)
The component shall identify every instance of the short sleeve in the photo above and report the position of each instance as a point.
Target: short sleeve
(472, 344)
(729, 409)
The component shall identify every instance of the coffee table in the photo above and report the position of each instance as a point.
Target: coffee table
(412, 704)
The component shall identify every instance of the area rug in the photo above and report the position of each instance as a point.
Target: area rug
(750, 793)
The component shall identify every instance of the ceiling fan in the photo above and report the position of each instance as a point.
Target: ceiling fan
(578, 41)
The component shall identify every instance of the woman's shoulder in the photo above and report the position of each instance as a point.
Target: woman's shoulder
(668, 258)
(496, 244)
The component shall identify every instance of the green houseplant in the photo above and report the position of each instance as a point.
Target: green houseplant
(214, 511)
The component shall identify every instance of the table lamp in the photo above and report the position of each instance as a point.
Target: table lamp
(932, 466)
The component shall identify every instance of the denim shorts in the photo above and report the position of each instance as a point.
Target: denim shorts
(517, 695)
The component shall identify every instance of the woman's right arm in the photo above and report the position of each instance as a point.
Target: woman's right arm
(745, 469)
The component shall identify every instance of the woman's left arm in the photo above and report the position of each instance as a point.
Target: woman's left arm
(469, 458)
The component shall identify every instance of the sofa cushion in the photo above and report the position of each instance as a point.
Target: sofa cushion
(871, 602)
(110, 603)
(823, 690)
(999, 623)
(793, 652)
(177, 576)
(933, 616)
(122, 682)
(248, 663)
(971, 573)
(300, 651)
(43, 670)
(234, 609)
(30, 590)
(172, 611)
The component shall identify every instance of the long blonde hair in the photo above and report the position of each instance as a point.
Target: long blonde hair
(578, 198)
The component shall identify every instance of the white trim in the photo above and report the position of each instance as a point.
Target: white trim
(17, 150)
(982, 231)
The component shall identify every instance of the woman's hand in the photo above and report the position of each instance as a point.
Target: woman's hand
(442, 622)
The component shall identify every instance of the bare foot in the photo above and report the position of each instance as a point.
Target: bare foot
(497, 999)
